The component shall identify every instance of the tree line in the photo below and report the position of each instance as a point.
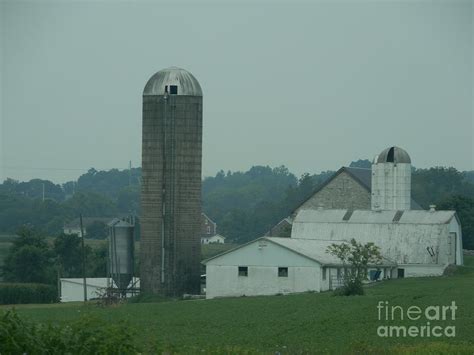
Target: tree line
(243, 204)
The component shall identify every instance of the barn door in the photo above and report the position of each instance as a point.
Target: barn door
(452, 248)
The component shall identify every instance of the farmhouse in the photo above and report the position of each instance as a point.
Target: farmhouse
(215, 239)
(74, 227)
(209, 233)
(412, 242)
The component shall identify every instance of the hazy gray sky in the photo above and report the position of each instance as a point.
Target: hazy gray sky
(308, 85)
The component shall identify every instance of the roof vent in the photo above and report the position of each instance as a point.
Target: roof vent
(432, 208)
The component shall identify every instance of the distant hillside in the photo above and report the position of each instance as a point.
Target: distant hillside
(244, 204)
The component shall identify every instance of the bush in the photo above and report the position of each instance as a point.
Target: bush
(352, 288)
(15, 293)
(85, 336)
(145, 297)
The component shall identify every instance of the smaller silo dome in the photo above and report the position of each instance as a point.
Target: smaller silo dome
(173, 81)
(394, 155)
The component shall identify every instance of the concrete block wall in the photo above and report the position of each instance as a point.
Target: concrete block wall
(343, 192)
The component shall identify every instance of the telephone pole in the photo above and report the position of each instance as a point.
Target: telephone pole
(83, 260)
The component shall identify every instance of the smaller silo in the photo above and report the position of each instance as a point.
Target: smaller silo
(121, 252)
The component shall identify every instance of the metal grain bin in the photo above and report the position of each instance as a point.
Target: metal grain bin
(121, 249)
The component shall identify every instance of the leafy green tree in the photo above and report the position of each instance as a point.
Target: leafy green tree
(429, 186)
(364, 164)
(67, 248)
(90, 204)
(96, 265)
(128, 200)
(96, 230)
(29, 259)
(355, 258)
(464, 206)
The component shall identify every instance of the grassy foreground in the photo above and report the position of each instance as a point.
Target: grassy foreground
(304, 323)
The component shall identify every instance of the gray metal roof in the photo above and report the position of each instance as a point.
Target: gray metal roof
(117, 222)
(314, 249)
(364, 176)
(186, 82)
(374, 217)
(393, 155)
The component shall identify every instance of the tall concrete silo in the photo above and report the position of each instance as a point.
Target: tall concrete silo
(171, 183)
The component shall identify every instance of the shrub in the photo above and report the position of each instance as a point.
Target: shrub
(86, 336)
(145, 297)
(15, 293)
(350, 289)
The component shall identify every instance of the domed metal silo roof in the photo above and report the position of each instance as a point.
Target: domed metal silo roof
(394, 155)
(162, 81)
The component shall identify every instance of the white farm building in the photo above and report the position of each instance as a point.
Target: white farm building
(72, 289)
(412, 242)
(270, 265)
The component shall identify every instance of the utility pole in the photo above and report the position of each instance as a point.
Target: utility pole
(83, 260)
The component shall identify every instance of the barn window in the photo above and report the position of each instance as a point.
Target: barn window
(324, 273)
(391, 155)
(174, 89)
(282, 272)
(243, 271)
(166, 89)
(208, 229)
(338, 273)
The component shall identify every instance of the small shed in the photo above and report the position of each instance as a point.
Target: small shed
(72, 289)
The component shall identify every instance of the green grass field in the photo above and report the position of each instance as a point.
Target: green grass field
(304, 323)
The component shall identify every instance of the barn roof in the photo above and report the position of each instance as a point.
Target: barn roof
(316, 250)
(310, 248)
(374, 217)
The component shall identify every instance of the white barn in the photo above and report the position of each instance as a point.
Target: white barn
(412, 242)
(422, 243)
(269, 266)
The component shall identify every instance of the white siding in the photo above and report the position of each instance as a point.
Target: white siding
(74, 291)
(262, 259)
(422, 270)
(224, 280)
(404, 242)
(391, 186)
